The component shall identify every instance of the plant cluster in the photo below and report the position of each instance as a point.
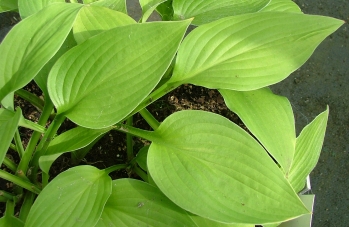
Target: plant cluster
(98, 67)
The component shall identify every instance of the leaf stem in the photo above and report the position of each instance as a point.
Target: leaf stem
(48, 137)
(129, 140)
(10, 164)
(19, 181)
(31, 125)
(10, 208)
(148, 135)
(44, 143)
(115, 168)
(19, 145)
(155, 95)
(140, 173)
(45, 177)
(13, 147)
(24, 163)
(6, 195)
(26, 206)
(149, 118)
(30, 97)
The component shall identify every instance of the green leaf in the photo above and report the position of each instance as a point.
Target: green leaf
(270, 119)
(74, 198)
(136, 203)
(249, 51)
(282, 6)
(305, 220)
(31, 125)
(118, 5)
(271, 225)
(8, 5)
(99, 82)
(89, 1)
(8, 101)
(8, 126)
(32, 43)
(205, 11)
(142, 158)
(90, 23)
(71, 140)
(165, 10)
(212, 168)
(27, 8)
(202, 222)
(148, 6)
(308, 149)
(10, 221)
(41, 77)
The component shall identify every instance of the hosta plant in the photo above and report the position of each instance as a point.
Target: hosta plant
(97, 67)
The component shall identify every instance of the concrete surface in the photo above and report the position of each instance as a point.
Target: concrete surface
(324, 80)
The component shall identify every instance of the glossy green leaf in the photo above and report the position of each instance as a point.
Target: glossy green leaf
(249, 51)
(71, 140)
(148, 6)
(308, 149)
(210, 167)
(205, 11)
(74, 198)
(27, 8)
(32, 43)
(8, 5)
(118, 5)
(270, 119)
(11, 221)
(41, 77)
(99, 82)
(282, 6)
(136, 203)
(142, 158)
(90, 23)
(8, 126)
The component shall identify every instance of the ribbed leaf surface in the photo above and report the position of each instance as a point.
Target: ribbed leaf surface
(205, 11)
(270, 119)
(211, 167)
(99, 82)
(282, 6)
(250, 51)
(136, 203)
(89, 21)
(27, 8)
(118, 5)
(32, 43)
(308, 148)
(74, 198)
